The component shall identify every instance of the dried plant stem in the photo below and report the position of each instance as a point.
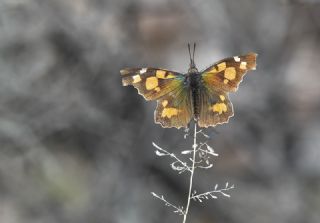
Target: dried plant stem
(194, 146)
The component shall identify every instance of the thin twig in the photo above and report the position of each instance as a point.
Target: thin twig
(166, 153)
(202, 133)
(205, 195)
(209, 149)
(205, 167)
(167, 203)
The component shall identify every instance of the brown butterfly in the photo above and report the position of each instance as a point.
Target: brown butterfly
(202, 96)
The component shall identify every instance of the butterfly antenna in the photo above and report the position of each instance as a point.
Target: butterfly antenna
(189, 52)
(194, 50)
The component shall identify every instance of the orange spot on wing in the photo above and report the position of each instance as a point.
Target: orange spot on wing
(164, 103)
(230, 73)
(151, 83)
(160, 74)
(170, 75)
(219, 107)
(169, 112)
(221, 66)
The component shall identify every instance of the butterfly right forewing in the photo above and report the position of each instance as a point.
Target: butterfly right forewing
(174, 108)
(151, 83)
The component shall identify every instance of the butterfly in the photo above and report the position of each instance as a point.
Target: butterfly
(202, 96)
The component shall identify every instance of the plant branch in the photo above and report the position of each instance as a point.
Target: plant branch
(212, 193)
(167, 203)
(208, 150)
(163, 152)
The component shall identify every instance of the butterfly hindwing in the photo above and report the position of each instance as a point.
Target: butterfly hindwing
(152, 83)
(215, 108)
(227, 74)
(174, 109)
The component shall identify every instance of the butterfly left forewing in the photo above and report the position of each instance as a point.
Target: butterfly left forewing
(227, 74)
(215, 108)
(151, 83)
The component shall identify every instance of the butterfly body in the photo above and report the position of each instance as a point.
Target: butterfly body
(193, 83)
(202, 96)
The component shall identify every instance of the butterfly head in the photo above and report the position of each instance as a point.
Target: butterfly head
(192, 67)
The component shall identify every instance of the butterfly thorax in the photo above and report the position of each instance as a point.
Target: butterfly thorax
(193, 81)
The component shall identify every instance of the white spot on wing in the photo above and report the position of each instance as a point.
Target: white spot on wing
(237, 59)
(136, 78)
(143, 70)
(243, 65)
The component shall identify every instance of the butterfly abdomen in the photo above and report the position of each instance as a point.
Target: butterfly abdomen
(194, 81)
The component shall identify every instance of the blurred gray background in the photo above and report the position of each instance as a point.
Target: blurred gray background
(75, 146)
